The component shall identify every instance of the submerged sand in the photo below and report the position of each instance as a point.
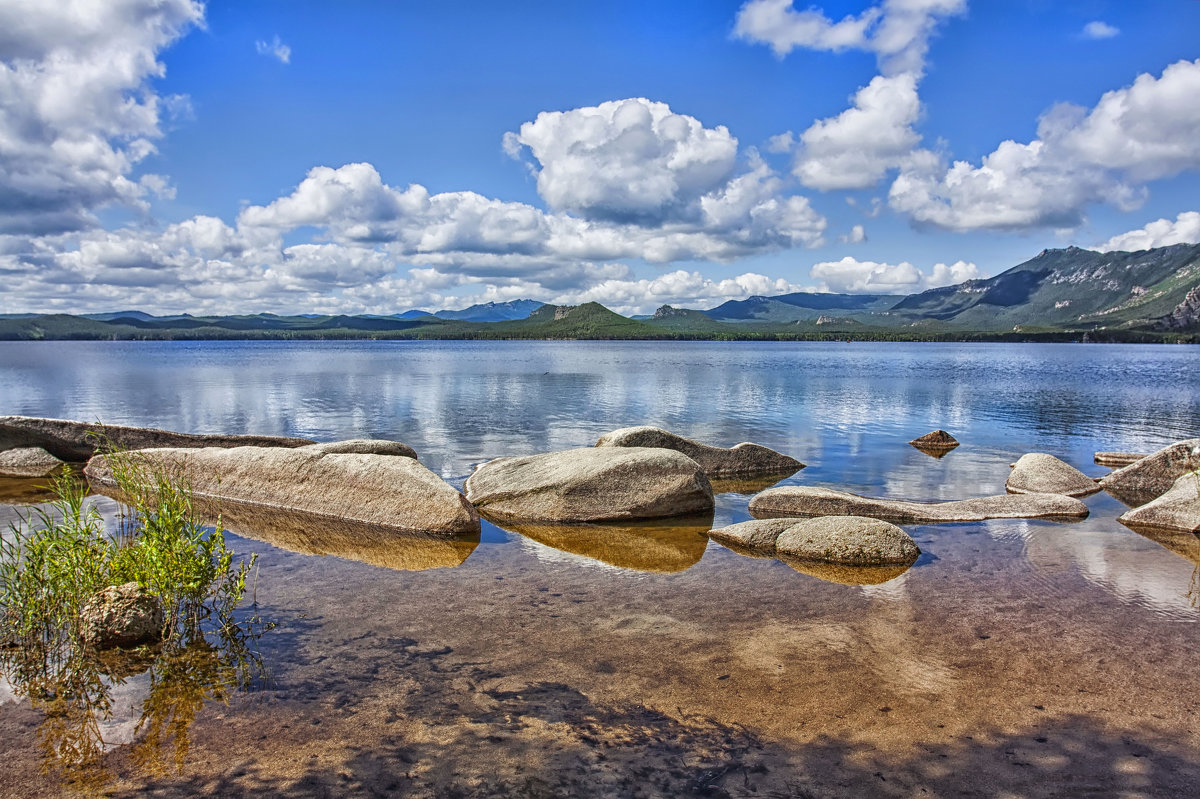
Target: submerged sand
(1004, 666)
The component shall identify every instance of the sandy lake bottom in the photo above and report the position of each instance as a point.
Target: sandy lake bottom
(1014, 659)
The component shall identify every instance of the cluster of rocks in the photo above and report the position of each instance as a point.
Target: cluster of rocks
(1161, 489)
(853, 550)
(368, 495)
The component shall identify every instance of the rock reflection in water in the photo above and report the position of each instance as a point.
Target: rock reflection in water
(1186, 545)
(146, 699)
(26, 490)
(307, 534)
(656, 545)
(845, 575)
(746, 485)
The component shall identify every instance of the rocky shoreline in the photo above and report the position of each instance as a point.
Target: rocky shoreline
(634, 480)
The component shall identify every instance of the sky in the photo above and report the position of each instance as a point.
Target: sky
(286, 156)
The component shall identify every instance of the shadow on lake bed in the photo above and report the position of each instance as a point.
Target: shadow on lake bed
(460, 728)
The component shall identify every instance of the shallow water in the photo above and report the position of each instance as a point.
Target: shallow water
(1015, 658)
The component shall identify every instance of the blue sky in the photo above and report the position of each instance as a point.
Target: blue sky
(373, 157)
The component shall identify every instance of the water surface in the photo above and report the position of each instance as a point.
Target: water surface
(1016, 657)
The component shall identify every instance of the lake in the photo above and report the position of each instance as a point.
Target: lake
(1015, 658)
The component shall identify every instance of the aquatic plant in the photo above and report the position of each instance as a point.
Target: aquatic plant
(57, 558)
(60, 555)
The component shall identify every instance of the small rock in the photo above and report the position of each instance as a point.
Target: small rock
(28, 462)
(812, 501)
(936, 443)
(742, 460)
(755, 538)
(1039, 473)
(121, 616)
(1153, 475)
(591, 484)
(363, 446)
(1117, 459)
(1178, 509)
(848, 541)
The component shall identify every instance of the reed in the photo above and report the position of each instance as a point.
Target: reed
(60, 555)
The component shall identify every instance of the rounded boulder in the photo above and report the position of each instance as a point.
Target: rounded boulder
(591, 484)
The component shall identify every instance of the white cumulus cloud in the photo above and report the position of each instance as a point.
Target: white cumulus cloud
(626, 160)
(1185, 229)
(78, 109)
(852, 276)
(897, 31)
(1100, 155)
(855, 149)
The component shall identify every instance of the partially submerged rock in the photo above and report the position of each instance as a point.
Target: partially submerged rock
(1153, 475)
(1178, 509)
(1117, 459)
(1039, 473)
(936, 443)
(591, 484)
(369, 489)
(121, 615)
(742, 460)
(378, 545)
(754, 538)
(849, 550)
(659, 545)
(28, 462)
(848, 541)
(77, 441)
(811, 501)
(363, 446)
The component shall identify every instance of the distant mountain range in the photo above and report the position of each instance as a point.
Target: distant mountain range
(485, 312)
(1070, 294)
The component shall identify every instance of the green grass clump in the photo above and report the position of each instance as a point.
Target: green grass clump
(60, 556)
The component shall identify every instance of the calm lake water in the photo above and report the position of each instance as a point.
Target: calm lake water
(1015, 658)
